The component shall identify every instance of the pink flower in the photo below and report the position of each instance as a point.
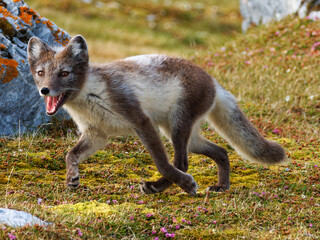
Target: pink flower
(11, 236)
(79, 232)
(131, 218)
(156, 238)
(170, 235)
(275, 131)
(316, 44)
(177, 227)
(154, 232)
(163, 230)
(214, 222)
(149, 215)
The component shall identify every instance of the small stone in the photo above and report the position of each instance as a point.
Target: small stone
(14, 218)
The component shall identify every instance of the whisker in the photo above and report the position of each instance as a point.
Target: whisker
(70, 89)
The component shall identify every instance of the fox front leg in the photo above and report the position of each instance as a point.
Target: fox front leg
(88, 144)
(72, 162)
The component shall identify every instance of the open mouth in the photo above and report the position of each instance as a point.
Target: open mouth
(54, 103)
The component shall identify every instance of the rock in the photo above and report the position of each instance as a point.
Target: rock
(257, 11)
(16, 218)
(21, 108)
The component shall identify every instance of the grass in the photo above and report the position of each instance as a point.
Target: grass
(272, 71)
(123, 28)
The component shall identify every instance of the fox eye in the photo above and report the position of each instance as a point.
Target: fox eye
(40, 73)
(65, 74)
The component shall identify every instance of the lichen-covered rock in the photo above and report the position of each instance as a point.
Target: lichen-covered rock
(257, 11)
(20, 106)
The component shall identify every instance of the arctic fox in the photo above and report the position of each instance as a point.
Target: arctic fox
(138, 95)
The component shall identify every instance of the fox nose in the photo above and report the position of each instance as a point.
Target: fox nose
(45, 91)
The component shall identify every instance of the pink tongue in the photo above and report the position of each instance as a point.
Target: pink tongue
(51, 104)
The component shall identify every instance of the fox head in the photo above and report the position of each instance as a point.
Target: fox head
(58, 73)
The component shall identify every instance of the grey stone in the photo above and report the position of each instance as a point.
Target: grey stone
(261, 12)
(14, 218)
(21, 108)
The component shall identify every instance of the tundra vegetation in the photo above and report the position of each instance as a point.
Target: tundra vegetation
(272, 70)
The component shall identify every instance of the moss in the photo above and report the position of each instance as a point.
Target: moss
(44, 160)
(7, 29)
(3, 179)
(245, 180)
(99, 209)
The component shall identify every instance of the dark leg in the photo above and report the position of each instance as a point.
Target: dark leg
(152, 141)
(200, 145)
(88, 144)
(180, 138)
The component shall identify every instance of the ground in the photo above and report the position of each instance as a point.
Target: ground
(273, 72)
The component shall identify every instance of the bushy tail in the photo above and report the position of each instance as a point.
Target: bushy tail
(231, 123)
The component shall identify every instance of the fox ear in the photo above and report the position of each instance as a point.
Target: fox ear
(77, 47)
(36, 47)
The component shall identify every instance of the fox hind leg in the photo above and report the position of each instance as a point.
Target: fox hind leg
(180, 137)
(200, 145)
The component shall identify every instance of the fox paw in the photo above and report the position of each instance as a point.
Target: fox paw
(148, 188)
(73, 183)
(217, 188)
(190, 186)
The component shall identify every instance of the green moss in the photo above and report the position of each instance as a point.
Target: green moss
(99, 209)
(245, 180)
(213, 234)
(45, 160)
(3, 179)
